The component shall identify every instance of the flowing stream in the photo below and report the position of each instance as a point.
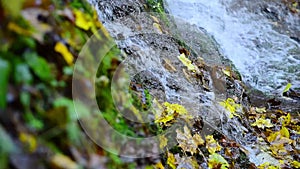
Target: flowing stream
(248, 36)
(248, 33)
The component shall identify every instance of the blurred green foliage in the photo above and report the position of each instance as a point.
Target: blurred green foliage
(35, 79)
(35, 82)
(156, 6)
(4, 69)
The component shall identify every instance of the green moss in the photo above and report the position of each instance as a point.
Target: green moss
(148, 97)
(156, 6)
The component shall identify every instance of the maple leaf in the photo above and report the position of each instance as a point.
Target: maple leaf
(171, 160)
(87, 22)
(281, 136)
(278, 149)
(230, 105)
(170, 113)
(211, 144)
(285, 120)
(186, 162)
(262, 123)
(217, 161)
(172, 108)
(188, 142)
(187, 62)
(278, 140)
(296, 164)
(165, 119)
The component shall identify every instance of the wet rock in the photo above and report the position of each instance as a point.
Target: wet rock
(151, 49)
(199, 42)
(280, 12)
(112, 10)
(292, 94)
(148, 81)
(295, 39)
(271, 13)
(172, 84)
(259, 99)
(151, 58)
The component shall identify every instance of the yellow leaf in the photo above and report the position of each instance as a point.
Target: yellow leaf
(198, 139)
(285, 132)
(172, 108)
(295, 4)
(82, 20)
(87, 22)
(188, 142)
(29, 140)
(280, 137)
(217, 161)
(260, 110)
(170, 113)
(157, 27)
(287, 87)
(171, 160)
(62, 161)
(186, 161)
(165, 119)
(163, 141)
(159, 166)
(212, 145)
(296, 164)
(155, 19)
(63, 50)
(278, 149)
(262, 123)
(17, 29)
(267, 165)
(231, 106)
(187, 62)
(273, 136)
(286, 120)
(281, 162)
(226, 72)
(232, 114)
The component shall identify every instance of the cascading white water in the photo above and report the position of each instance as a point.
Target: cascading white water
(266, 59)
